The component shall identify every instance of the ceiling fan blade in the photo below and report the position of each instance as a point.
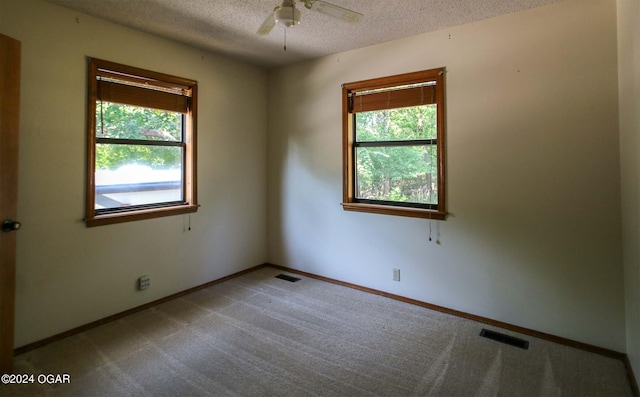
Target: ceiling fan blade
(336, 11)
(267, 25)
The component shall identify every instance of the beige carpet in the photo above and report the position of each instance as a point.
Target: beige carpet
(257, 335)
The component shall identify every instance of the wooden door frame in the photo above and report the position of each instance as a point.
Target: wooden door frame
(10, 53)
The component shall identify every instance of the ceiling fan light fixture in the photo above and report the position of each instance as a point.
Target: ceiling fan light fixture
(287, 16)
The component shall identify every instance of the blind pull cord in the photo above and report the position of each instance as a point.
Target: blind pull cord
(430, 190)
(285, 39)
(101, 110)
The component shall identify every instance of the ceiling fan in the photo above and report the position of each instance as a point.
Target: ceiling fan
(288, 15)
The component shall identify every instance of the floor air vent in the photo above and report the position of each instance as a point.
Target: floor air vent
(287, 278)
(509, 340)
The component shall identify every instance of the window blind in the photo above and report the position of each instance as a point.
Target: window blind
(393, 97)
(123, 84)
(120, 92)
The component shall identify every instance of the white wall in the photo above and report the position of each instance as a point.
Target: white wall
(533, 184)
(629, 76)
(69, 275)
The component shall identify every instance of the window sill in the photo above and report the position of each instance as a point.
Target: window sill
(398, 211)
(109, 219)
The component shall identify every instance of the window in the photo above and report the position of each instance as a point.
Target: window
(393, 145)
(141, 151)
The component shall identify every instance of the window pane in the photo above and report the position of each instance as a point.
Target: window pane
(137, 175)
(114, 120)
(416, 122)
(397, 173)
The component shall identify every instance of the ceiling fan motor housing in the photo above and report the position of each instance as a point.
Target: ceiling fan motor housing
(287, 15)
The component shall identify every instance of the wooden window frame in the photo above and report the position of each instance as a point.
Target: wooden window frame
(162, 90)
(349, 201)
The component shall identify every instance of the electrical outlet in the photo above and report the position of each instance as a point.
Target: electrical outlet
(144, 282)
(396, 274)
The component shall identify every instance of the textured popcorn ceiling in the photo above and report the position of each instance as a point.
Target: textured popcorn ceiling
(229, 27)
